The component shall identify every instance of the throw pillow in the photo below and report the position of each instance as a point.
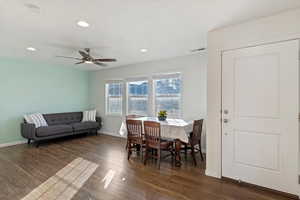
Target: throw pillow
(37, 119)
(89, 116)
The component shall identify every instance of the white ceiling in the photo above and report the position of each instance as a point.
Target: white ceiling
(120, 28)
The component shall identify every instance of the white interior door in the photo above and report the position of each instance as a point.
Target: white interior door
(260, 115)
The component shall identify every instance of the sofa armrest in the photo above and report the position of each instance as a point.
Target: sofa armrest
(99, 120)
(28, 130)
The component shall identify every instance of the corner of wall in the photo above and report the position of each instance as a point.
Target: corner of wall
(212, 174)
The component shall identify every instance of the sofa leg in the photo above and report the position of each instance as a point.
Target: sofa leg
(37, 144)
(28, 142)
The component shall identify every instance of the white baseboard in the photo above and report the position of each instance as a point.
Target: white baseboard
(12, 143)
(111, 134)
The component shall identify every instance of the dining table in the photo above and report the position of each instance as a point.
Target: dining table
(174, 129)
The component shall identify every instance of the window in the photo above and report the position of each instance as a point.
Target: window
(145, 96)
(137, 97)
(114, 98)
(167, 93)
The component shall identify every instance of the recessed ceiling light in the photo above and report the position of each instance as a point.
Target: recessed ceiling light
(31, 49)
(83, 24)
(88, 62)
(144, 50)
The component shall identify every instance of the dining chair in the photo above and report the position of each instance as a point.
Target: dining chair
(135, 137)
(132, 117)
(154, 141)
(195, 140)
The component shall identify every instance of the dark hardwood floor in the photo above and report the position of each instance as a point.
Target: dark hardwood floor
(23, 168)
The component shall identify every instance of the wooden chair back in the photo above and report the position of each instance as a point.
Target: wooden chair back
(197, 131)
(152, 134)
(134, 129)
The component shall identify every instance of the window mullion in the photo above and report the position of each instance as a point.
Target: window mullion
(124, 100)
(151, 109)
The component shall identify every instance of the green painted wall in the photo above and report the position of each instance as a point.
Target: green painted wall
(28, 87)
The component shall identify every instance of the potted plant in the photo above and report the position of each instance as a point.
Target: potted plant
(162, 115)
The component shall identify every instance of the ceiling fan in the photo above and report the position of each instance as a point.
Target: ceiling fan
(87, 58)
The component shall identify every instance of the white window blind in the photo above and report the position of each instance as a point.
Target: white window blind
(114, 93)
(137, 97)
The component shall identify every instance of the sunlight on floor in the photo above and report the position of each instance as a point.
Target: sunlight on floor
(108, 178)
(65, 183)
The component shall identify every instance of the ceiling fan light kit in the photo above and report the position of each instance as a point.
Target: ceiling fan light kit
(86, 58)
(83, 24)
(31, 49)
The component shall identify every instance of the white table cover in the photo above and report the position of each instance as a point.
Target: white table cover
(171, 128)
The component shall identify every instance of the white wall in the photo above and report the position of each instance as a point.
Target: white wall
(283, 26)
(193, 71)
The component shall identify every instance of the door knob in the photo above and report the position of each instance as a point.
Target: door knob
(225, 120)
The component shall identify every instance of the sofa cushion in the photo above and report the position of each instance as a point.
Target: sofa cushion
(63, 118)
(85, 125)
(53, 130)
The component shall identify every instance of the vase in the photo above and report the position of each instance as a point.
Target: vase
(162, 118)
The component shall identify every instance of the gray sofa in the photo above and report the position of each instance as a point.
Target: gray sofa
(59, 125)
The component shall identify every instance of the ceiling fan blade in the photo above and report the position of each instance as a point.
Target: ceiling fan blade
(105, 60)
(87, 50)
(100, 64)
(83, 54)
(196, 50)
(79, 63)
(69, 57)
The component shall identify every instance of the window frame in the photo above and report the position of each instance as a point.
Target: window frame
(151, 100)
(127, 97)
(168, 76)
(107, 113)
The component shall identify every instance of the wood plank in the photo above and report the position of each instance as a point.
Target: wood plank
(23, 168)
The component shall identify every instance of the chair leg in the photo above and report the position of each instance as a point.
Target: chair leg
(158, 157)
(138, 147)
(128, 150)
(185, 151)
(146, 155)
(193, 155)
(142, 152)
(172, 155)
(200, 150)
